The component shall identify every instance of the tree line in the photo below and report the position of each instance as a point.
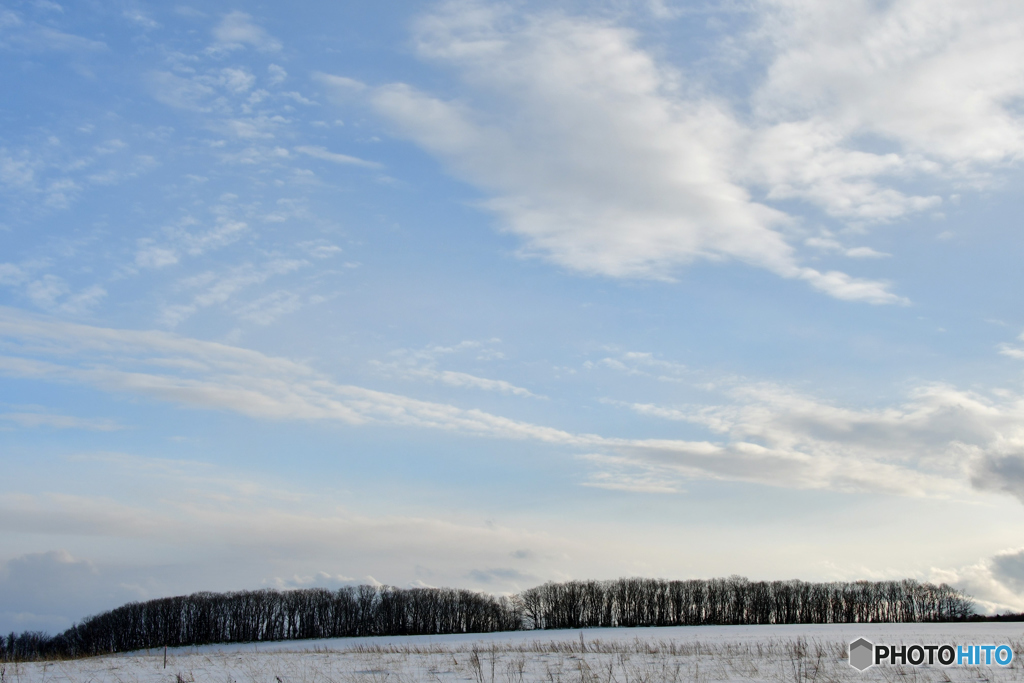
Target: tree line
(270, 615)
(736, 600)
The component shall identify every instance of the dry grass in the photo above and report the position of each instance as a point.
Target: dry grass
(797, 660)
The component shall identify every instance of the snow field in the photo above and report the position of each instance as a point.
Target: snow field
(698, 654)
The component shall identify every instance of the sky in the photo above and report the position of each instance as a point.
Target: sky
(482, 295)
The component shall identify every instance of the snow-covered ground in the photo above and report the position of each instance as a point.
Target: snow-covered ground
(697, 654)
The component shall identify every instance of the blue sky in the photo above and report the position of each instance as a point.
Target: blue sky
(487, 294)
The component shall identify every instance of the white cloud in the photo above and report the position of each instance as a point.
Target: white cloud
(939, 79)
(59, 193)
(462, 380)
(321, 153)
(256, 155)
(996, 583)
(320, 579)
(865, 252)
(600, 158)
(237, 30)
(842, 286)
(298, 97)
(809, 160)
(140, 18)
(152, 256)
(111, 146)
(933, 84)
(319, 249)
(662, 9)
(606, 173)
(226, 231)
(826, 242)
(1012, 351)
(12, 274)
(179, 92)
(276, 74)
(260, 127)
(607, 161)
(237, 81)
(642, 364)
(340, 85)
(16, 172)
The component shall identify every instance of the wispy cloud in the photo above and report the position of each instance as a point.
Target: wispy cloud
(267, 309)
(456, 379)
(322, 153)
(180, 92)
(423, 364)
(32, 420)
(238, 29)
(930, 446)
(216, 288)
(1011, 350)
(939, 436)
(643, 364)
(622, 473)
(189, 237)
(28, 36)
(52, 293)
(827, 243)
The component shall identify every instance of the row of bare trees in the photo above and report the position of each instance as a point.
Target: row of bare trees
(735, 600)
(269, 615)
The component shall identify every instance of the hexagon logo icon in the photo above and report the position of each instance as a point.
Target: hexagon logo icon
(862, 654)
